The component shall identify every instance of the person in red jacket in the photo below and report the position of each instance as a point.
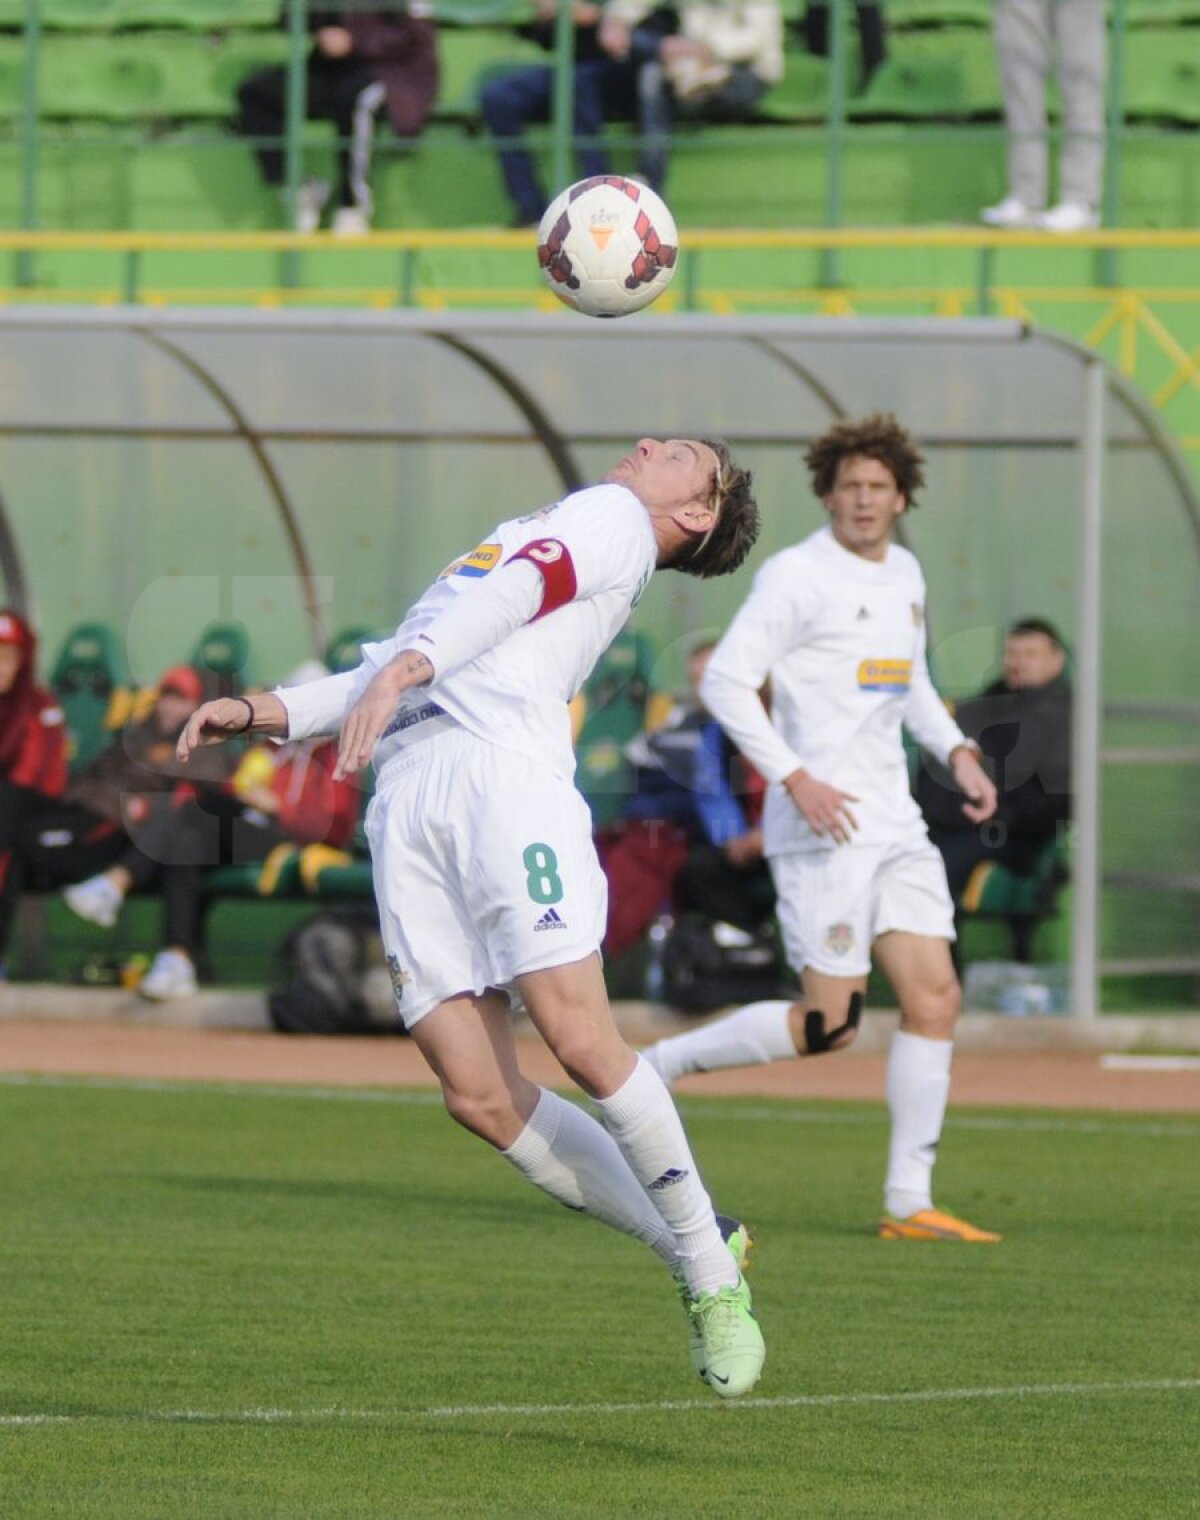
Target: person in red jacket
(279, 795)
(33, 739)
(360, 63)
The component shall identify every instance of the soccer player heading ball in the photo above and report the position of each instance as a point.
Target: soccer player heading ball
(485, 873)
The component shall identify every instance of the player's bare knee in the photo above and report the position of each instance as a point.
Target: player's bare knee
(490, 1115)
(934, 1012)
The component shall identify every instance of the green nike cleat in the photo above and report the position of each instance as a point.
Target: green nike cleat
(731, 1342)
(741, 1246)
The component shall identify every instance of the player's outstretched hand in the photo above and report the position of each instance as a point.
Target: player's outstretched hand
(365, 722)
(822, 806)
(212, 723)
(975, 782)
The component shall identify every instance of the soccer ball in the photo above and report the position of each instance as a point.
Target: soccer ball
(607, 246)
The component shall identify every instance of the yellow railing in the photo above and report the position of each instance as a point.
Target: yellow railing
(1114, 300)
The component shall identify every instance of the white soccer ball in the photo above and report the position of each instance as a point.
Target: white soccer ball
(608, 246)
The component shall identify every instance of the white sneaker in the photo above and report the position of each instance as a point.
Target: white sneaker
(1010, 212)
(1069, 216)
(171, 975)
(349, 221)
(310, 202)
(97, 899)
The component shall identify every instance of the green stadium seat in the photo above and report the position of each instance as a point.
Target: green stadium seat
(344, 650)
(945, 74)
(614, 710)
(72, 15)
(202, 15)
(482, 12)
(803, 92)
(468, 56)
(1162, 76)
(1162, 12)
(902, 14)
(222, 656)
(1022, 902)
(89, 678)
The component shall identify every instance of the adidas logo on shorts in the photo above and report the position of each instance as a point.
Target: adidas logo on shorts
(549, 920)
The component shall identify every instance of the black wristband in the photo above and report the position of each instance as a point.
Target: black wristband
(248, 724)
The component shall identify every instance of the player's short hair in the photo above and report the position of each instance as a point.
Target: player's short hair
(1036, 625)
(878, 437)
(727, 543)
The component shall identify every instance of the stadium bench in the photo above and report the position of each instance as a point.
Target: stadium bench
(1020, 902)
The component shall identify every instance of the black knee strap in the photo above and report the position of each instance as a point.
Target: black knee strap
(815, 1036)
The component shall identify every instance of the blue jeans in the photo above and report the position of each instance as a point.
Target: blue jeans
(604, 88)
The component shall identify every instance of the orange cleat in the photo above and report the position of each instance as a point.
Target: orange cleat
(933, 1224)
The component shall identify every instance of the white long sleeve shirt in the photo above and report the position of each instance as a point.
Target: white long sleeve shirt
(842, 640)
(512, 629)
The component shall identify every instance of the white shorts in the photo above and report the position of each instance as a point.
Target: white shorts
(834, 904)
(484, 869)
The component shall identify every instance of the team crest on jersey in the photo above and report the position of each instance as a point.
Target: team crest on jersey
(479, 562)
(884, 675)
(400, 978)
(839, 939)
(918, 614)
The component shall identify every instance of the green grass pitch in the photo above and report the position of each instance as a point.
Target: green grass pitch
(260, 1303)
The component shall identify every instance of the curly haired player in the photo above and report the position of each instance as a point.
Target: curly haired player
(837, 624)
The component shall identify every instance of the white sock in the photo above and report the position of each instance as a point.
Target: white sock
(644, 1122)
(754, 1035)
(571, 1156)
(918, 1085)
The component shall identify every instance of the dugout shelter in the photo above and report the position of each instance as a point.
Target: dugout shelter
(300, 473)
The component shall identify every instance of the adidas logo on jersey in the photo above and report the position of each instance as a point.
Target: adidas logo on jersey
(862, 613)
(549, 920)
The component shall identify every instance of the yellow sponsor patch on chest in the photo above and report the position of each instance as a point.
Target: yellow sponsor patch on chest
(884, 675)
(486, 557)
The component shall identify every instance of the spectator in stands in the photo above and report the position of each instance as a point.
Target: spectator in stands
(605, 88)
(689, 837)
(1022, 724)
(87, 826)
(361, 62)
(717, 66)
(872, 35)
(279, 795)
(33, 748)
(1030, 36)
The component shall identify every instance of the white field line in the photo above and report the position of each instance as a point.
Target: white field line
(782, 1112)
(340, 1415)
(1149, 1063)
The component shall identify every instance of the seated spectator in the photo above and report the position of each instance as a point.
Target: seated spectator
(605, 89)
(687, 838)
(278, 795)
(872, 35)
(717, 66)
(361, 61)
(87, 827)
(1022, 724)
(33, 751)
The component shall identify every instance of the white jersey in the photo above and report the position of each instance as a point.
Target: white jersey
(594, 552)
(842, 640)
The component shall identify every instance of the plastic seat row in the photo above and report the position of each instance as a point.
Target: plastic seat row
(949, 74)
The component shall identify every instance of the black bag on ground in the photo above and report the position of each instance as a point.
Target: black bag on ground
(708, 965)
(334, 978)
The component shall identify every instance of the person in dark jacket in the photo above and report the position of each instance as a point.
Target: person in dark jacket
(277, 797)
(362, 61)
(85, 827)
(605, 88)
(1022, 724)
